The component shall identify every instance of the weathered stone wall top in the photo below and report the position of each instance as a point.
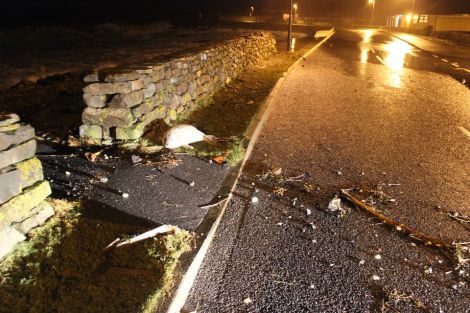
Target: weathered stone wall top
(122, 102)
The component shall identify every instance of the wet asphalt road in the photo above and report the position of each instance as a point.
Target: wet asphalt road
(365, 110)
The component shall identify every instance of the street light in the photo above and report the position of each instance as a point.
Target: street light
(252, 11)
(372, 2)
(295, 8)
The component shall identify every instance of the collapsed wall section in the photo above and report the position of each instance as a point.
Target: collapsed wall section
(123, 102)
(22, 185)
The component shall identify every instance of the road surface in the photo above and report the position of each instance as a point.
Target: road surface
(365, 110)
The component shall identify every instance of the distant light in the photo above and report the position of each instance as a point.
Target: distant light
(371, 1)
(408, 17)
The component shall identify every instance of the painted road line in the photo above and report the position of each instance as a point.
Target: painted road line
(468, 71)
(436, 56)
(372, 49)
(455, 64)
(444, 60)
(464, 131)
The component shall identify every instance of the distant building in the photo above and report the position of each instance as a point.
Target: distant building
(425, 24)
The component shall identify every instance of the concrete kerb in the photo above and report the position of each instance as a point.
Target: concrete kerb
(253, 132)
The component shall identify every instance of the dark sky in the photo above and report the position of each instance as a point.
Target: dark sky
(25, 10)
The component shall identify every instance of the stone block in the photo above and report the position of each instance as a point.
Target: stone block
(10, 185)
(149, 90)
(121, 77)
(9, 238)
(145, 107)
(92, 78)
(9, 128)
(31, 172)
(131, 133)
(18, 177)
(108, 117)
(113, 88)
(181, 88)
(19, 208)
(95, 101)
(16, 136)
(8, 119)
(39, 215)
(17, 153)
(185, 98)
(127, 100)
(91, 131)
(172, 114)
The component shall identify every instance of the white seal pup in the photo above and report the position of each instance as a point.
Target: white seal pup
(183, 135)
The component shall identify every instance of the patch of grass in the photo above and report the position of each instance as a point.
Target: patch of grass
(232, 149)
(62, 267)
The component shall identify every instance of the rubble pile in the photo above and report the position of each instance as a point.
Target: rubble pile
(22, 185)
(121, 103)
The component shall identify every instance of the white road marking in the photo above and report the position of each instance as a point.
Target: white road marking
(464, 131)
(468, 71)
(455, 64)
(436, 56)
(444, 60)
(372, 49)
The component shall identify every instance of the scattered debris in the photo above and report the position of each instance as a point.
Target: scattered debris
(104, 180)
(92, 156)
(362, 262)
(335, 207)
(279, 190)
(248, 301)
(377, 257)
(308, 187)
(125, 195)
(428, 270)
(136, 159)
(73, 142)
(218, 159)
(309, 212)
(67, 173)
(192, 184)
(254, 200)
(375, 277)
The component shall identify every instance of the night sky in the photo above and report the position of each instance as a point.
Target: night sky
(135, 10)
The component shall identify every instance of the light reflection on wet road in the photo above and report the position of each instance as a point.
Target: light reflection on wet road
(374, 46)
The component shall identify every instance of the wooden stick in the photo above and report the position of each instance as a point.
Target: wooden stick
(164, 229)
(398, 226)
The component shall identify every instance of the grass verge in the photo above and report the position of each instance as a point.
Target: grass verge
(62, 267)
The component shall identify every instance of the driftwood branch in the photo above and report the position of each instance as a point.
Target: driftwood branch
(428, 240)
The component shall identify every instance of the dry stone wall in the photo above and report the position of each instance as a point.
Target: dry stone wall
(122, 103)
(22, 185)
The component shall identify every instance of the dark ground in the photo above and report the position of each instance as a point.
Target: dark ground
(349, 121)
